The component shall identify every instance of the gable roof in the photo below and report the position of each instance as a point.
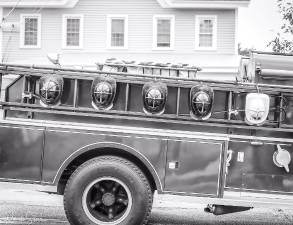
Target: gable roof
(163, 3)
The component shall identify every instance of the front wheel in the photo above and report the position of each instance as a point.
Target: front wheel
(108, 190)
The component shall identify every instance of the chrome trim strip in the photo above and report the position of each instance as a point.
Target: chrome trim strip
(219, 170)
(189, 193)
(26, 128)
(143, 131)
(268, 140)
(20, 180)
(246, 190)
(119, 129)
(237, 194)
(87, 133)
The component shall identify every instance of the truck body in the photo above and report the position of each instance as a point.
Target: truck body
(224, 158)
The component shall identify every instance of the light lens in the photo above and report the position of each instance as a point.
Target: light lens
(256, 108)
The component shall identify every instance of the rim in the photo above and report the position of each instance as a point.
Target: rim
(107, 201)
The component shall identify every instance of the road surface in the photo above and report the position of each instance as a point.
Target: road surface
(23, 205)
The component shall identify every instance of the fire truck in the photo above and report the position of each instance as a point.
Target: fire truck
(110, 138)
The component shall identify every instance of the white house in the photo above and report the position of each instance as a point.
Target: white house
(198, 32)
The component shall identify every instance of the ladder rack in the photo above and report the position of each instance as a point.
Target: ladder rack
(229, 97)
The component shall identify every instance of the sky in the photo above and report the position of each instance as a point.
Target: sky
(258, 24)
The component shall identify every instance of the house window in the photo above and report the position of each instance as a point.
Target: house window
(117, 34)
(30, 31)
(163, 33)
(72, 31)
(206, 32)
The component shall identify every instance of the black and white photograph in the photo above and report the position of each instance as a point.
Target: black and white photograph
(146, 112)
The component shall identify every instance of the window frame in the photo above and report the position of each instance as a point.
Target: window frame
(155, 31)
(214, 18)
(109, 31)
(22, 30)
(65, 17)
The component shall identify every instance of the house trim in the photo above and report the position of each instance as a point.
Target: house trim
(22, 30)
(109, 30)
(172, 32)
(38, 3)
(1, 37)
(236, 31)
(164, 3)
(215, 32)
(64, 30)
(203, 4)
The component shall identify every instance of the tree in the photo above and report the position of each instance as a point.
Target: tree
(244, 51)
(283, 43)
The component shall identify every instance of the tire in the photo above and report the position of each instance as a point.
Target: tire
(108, 190)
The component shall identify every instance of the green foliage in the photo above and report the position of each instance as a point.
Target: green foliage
(244, 51)
(283, 43)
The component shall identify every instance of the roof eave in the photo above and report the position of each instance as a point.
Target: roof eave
(164, 3)
(204, 4)
(32, 4)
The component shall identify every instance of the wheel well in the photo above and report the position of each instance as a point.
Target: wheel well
(102, 151)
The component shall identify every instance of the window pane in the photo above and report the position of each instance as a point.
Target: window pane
(117, 33)
(31, 31)
(73, 31)
(206, 26)
(205, 40)
(163, 33)
(206, 33)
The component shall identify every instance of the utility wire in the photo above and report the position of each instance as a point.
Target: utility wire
(38, 10)
(5, 52)
(11, 11)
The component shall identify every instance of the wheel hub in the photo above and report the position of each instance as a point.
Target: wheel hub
(108, 199)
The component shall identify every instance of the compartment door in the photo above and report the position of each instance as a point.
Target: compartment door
(194, 167)
(21, 150)
(252, 168)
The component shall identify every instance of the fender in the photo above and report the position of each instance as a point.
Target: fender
(114, 145)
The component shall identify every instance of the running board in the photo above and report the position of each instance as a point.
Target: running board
(251, 199)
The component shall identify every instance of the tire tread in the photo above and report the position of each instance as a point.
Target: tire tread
(109, 158)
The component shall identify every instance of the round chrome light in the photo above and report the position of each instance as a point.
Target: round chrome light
(50, 90)
(154, 98)
(103, 93)
(201, 102)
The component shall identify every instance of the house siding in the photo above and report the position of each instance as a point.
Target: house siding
(140, 33)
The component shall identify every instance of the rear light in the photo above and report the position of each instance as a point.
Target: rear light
(50, 90)
(103, 92)
(201, 102)
(256, 108)
(154, 98)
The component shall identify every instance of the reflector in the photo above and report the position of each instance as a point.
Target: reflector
(256, 108)
(50, 89)
(103, 92)
(154, 97)
(201, 102)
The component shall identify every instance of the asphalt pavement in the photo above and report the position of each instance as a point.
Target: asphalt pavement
(29, 205)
